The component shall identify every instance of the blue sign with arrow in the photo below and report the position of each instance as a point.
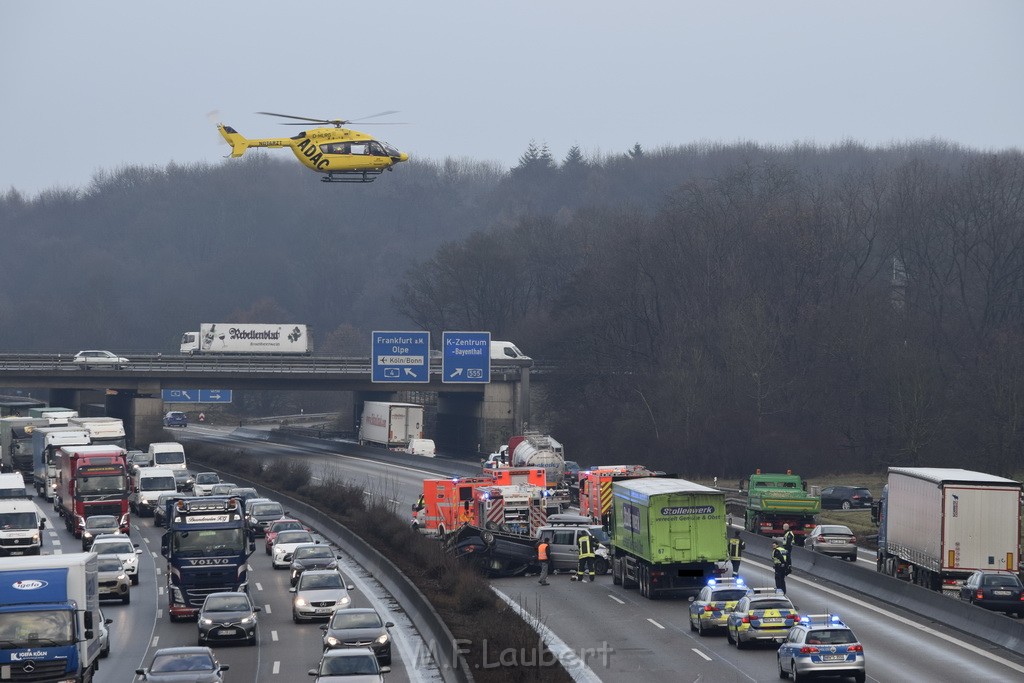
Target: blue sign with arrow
(466, 357)
(400, 357)
(196, 395)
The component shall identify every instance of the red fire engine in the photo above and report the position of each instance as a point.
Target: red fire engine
(596, 487)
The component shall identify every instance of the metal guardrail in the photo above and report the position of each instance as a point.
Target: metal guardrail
(441, 642)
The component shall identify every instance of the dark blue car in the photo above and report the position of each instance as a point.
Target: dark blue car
(175, 418)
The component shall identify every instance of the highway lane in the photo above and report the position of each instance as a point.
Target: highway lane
(652, 640)
(285, 650)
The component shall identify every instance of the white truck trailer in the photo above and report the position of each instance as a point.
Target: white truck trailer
(390, 424)
(103, 431)
(248, 338)
(938, 525)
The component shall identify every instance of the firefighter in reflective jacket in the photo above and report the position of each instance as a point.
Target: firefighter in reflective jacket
(780, 560)
(736, 548)
(585, 545)
(788, 539)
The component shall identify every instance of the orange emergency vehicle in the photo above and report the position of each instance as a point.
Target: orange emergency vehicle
(511, 498)
(596, 487)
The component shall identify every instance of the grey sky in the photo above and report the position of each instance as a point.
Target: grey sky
(98, 85)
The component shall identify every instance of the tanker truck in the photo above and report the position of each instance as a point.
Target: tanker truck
(534, 449)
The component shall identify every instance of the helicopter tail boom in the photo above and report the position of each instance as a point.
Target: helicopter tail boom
(238, 143)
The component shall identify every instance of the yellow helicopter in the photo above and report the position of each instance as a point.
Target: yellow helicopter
(344, 155)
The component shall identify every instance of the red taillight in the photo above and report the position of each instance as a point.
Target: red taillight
(805, 650)
(979, 594)
(793, 617)
(709, 608)
(746, 620)
(853, 539)
(856, 496)
(855, 648)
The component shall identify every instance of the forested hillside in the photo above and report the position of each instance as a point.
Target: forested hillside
(712, 308)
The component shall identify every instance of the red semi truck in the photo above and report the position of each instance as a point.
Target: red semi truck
(92, 480)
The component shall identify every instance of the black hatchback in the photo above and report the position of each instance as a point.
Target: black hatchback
(996, 590)
(845, 497)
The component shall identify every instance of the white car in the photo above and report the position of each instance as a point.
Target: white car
(205, 481)
(122, 547)
(104, 634)
(89, 358)
(285, 544)
(318, 593)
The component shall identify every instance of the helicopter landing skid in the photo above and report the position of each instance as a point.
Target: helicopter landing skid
(350, 176)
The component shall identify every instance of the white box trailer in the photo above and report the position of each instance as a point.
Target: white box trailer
(102, 430)
(248, 338)
(938, 525)
(390, 424)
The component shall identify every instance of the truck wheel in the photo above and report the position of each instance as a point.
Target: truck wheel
(487, 537)
(601, 566)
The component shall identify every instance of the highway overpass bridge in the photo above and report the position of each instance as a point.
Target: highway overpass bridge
(467, 414)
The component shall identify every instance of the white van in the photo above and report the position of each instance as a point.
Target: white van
(421, 447)
(506, 350)
(12, 486)
(21, 524)
(147, 485)
(169, 454)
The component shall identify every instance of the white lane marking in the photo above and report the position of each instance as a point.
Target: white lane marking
(156, 639)
(701, 654)
(249, 568)
(159, 614)
(266, 608)
(160, 590)
(316, 478)
(153, 554)
(277, 667)
(259, 586)
(58, 551)
(656, 624)
(571, 661)
(903, 620)
(621, 602)
(158, 570)
(145, 539)
(273, 636)
(56, 541)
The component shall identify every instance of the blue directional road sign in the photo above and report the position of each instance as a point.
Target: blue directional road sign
(401, 357)
(466, 357)
(196, 395)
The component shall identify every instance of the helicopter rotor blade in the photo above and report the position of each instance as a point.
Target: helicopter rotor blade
(372, 116)
(297, 118)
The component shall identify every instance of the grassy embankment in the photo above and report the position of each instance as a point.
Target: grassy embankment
(492, 632)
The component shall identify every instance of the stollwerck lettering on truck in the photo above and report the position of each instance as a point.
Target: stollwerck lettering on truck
(688, 510)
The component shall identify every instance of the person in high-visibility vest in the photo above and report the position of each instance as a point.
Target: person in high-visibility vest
(544, 560)
(780, 561)
(585, 545)
(788, 539)
(736, 548)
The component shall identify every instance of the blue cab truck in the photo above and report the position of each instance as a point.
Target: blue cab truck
(207, 548)
(49, 618)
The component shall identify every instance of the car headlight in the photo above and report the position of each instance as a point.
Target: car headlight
(122, 577)
(382, 639)
(87, 534)
(248, 620)
(345, 600)
(300, 602)
(332, 641)
(35, 538)
(206, 622)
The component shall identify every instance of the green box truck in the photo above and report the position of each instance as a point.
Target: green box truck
(668, 535)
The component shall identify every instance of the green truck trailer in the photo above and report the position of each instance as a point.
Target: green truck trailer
(668, 536)
(774, 500)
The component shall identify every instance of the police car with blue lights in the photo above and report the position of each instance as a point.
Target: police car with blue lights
(762, 614)
(710, 609)
(821, 644)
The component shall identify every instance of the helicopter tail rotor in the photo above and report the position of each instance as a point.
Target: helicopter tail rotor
(238, 143)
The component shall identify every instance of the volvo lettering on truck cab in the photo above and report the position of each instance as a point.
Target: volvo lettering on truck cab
(49, 618)
(45, 442)
(207, 549)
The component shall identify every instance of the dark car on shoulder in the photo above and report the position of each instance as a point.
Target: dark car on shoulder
(995, 589)
(845, 497)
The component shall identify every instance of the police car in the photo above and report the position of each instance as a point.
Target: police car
(710, 609)
(821, 644)
(761, 614)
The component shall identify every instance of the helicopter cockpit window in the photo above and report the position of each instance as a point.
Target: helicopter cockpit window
(336, 148)
(377, 149)
(390, 151)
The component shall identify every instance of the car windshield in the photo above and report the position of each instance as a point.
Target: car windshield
(157, 483)
(1000, 581)
(294, 537)
(349, 665)
(343, 619)
(267, 509)
(192, 661)
(728, 595)
(601, 535)
(36, 629)
(101, 522)
(286, 526)
(244, 494)
(838, 636)
(771, 604)
(113, 548)
(207, 478)
(226, 603)
(319, 552)
(18, 520)
(170, 458)
(310, 581)
(109, 564)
